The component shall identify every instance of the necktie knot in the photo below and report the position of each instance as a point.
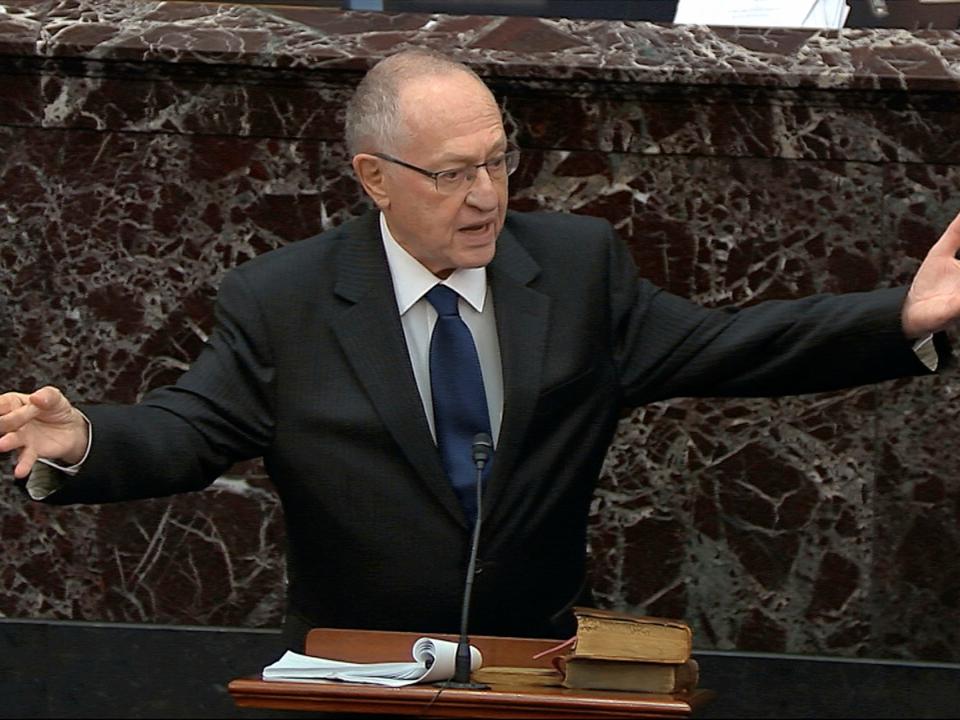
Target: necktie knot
(444, 300)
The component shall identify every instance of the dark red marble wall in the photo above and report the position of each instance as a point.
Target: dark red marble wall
(146, 148)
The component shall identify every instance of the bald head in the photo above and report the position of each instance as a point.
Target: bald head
(375, 120)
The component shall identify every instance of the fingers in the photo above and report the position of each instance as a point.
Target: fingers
(17, 409)
(47, 405)
(49, 399)
(949, 242)
(11, 401)
(26, 457)
(10, 441)
(16, 419)
(25, 463)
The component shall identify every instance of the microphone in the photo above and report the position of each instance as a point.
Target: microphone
(482, 450)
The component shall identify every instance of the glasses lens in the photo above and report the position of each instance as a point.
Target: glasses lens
(496, 167)
(504, 164)
(511, 161)
(451, 181)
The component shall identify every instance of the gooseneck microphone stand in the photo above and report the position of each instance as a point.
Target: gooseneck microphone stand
(482, 448)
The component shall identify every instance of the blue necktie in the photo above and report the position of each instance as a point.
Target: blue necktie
(459, 401)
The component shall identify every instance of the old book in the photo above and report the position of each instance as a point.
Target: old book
(610, 635)
(631, 676)
(524, 676)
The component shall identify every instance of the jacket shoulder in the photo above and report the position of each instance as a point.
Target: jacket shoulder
(551, 237)
(558, 224)
(298, 256)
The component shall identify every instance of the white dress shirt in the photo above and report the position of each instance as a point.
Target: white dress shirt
(411, 282)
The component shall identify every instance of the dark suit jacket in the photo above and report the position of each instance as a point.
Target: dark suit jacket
(307, 367)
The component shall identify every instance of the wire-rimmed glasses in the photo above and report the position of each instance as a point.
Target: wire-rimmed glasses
(458, 179)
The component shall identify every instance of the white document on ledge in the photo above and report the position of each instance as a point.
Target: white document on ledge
(433, 661)
(828, 14)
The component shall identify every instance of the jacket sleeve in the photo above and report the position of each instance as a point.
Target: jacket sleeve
(182, 437)
(667, 346)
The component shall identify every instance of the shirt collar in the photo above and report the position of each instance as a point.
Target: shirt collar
(411, 280)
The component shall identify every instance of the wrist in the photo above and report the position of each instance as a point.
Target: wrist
(80, 432)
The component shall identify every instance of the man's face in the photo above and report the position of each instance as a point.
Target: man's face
(453, 121)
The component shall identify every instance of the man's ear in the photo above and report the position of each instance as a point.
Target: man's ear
(369, 171)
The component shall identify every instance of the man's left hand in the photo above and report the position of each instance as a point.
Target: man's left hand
(933, 301)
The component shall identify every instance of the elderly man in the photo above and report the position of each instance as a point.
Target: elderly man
(361, 363)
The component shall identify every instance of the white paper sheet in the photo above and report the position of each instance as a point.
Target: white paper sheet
(828, 14)
(433, 660)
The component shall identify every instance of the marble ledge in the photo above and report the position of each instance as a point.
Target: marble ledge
(508, 47)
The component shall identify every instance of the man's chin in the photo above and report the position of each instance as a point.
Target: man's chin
(478, 257)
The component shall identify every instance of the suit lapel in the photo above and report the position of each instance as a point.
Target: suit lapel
(522, 319)
(371, 335)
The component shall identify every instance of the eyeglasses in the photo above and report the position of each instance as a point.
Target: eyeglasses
(454, 180)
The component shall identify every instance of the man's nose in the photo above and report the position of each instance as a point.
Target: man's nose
(483, 191)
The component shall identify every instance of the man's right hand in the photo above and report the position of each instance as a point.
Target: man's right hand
(41, 425)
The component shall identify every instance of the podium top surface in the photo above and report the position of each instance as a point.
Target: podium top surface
(500, 701)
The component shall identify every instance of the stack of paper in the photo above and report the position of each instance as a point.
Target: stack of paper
(433, 660)
(824, 14)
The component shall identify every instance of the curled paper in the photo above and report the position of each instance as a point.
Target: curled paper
(433, 661)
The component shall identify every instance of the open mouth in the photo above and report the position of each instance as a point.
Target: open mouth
(477, 229)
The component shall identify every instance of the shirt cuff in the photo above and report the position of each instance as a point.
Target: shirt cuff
(45, 479)
(926, 352)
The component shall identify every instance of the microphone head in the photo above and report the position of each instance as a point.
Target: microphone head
(482, 448)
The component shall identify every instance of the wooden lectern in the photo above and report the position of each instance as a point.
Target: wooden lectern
(500, 701)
